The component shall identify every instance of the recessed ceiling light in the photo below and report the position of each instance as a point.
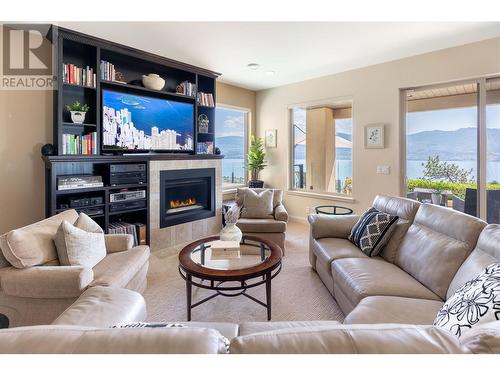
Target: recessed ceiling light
(253, 66)
(270, 72)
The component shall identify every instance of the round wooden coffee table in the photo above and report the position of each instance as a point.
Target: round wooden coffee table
(258, 264)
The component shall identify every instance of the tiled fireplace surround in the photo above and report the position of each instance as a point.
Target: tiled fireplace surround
(175, 236)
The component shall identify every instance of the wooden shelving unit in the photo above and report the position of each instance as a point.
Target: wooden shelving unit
(82, 50)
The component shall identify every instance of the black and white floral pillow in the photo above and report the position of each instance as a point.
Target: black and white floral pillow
(476, 302)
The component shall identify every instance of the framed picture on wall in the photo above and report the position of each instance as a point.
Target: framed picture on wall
(374, 136)
(271, 138)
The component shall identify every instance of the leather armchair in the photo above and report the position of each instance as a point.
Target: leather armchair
(272, 228)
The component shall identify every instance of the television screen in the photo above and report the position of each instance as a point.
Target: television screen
(137, 122)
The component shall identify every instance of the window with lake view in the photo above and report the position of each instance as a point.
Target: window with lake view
(442, 154)
(230, 138)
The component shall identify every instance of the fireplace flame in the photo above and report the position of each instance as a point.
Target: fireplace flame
(185, 203)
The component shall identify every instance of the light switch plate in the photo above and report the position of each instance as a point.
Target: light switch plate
(383, 169)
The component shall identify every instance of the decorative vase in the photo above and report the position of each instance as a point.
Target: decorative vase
(231, 233)
(436, 198)
(153, 82)
(78, 117)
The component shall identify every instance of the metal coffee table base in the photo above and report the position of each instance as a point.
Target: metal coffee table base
(229, 291)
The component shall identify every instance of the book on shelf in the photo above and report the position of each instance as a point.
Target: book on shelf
(205, 99)
(108, 72)
(75, 75)
(79, 144)
(79, 182)
(136, 230)
(186, 88)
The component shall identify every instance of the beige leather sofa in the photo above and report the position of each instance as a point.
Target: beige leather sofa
(84, 328)
(35, 289)
(433, 251)
(272, 229)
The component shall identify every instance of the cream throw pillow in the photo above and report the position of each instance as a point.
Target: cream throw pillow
(257, 205)
(81, 244)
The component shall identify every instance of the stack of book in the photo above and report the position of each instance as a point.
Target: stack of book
(79, 144)
(206, 100)
(79, 182)
(137, 230)
(74, 75)
(108, 71)
(186, 88)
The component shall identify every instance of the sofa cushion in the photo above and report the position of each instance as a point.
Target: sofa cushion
(436, 244)
(117, 269)
(358, 278)
(482, 339)
(405, 209)
(372, 231)
(350, 339)
(250, 328)
(103, 307)
(330, 249)
(476, 302)
(241, 192)
(59, 339)
(388, 309)
(486, 252)
(261, 225)
(34, 244)
(81, 244)
(257, 205)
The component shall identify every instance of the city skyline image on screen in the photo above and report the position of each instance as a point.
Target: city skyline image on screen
(137, 122)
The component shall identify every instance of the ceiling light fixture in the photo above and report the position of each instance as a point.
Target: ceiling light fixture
(253, 66)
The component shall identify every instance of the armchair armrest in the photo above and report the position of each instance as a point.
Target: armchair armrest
(118, 242)
(336, 226)
(46, 281)
(280, 213)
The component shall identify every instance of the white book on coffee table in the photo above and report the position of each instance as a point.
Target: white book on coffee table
(225, 250)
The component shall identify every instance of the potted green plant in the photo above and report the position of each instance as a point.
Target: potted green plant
(437, 192)
(78, 112)
(255, 161)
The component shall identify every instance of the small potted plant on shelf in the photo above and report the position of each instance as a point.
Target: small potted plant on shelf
(78, 112)
(256, 162)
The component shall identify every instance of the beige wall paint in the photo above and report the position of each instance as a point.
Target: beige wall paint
(26, 125)
(375, 94)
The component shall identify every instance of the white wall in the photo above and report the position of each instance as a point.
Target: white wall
(375, 94)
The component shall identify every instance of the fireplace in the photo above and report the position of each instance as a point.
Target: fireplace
(186, 195)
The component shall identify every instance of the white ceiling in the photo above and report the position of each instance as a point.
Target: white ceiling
(296, 51)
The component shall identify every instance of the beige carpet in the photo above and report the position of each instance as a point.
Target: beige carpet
(297, 292)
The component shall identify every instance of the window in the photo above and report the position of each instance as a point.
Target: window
(322, 148)
(231, 139)
(444, 164)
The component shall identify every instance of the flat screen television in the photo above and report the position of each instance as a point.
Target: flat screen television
(132, 122)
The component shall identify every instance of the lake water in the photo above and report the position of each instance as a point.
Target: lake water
(415, 168)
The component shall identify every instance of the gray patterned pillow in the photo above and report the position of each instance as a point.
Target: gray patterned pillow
(372, 231)
(476, 302)
(258, 205)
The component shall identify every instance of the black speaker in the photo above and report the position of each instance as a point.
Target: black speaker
(217, 151)
(48, 150)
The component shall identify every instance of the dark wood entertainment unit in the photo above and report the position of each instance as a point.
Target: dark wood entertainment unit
(84, 51)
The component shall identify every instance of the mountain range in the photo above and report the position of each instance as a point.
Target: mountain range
(460, 144)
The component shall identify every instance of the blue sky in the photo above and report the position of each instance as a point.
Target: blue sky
(451, 119)
(148, 112)
(229, 122)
